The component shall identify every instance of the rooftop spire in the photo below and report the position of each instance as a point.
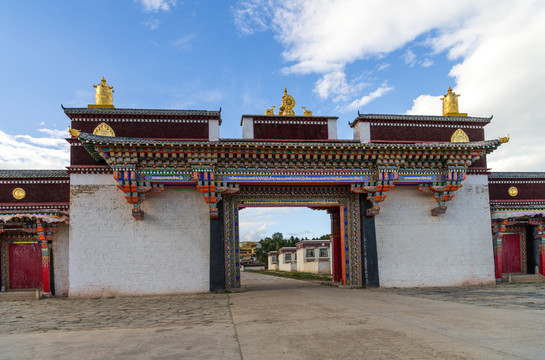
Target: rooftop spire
(450, 104)
(103, 95)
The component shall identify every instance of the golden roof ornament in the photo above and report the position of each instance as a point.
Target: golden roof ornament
(459, 136)
(504, 140)
(288, 103)
(286, 109)
(103, 95)
(450, 104)
(104, 129)
(74, 132)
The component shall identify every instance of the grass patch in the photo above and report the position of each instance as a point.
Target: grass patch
(294, 275)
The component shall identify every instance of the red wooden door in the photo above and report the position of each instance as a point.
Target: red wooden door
(510, 246)
(25, 266)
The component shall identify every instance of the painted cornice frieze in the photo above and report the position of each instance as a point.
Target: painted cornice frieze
(143, 166)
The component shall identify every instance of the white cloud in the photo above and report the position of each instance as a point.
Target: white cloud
(157, 5)
(324, 36)
(251, 16)
(495, 42)
(27, 152)
(366, 99)
(426, 105)
(334, 83)
(502, 73)
(152, 23)
(184, 43)
(409, 57)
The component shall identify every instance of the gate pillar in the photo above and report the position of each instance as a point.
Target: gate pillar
(335, 239)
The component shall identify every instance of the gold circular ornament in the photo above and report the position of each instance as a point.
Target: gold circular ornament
(513, 191)
(290, 102)
(19, 193)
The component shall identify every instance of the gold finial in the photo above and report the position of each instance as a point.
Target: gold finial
(270, 111)
(288, 103)
(503, 140)
(103, 95)
(306, 112)
(73, 132)
(104, 129)
(450, 104)
(459, 136)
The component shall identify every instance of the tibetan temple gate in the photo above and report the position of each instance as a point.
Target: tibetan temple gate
(155, 195)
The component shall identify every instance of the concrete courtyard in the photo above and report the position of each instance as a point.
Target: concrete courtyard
(279, 318)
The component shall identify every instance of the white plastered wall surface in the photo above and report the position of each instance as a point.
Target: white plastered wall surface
(453, 249)
(111, 253)
(60, 252)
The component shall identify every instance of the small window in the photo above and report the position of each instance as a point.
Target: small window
(310, 253)
(323, 253)
(295, 256)
(274, 258)
(287, 257)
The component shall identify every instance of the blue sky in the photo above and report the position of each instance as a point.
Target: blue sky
(335, 57)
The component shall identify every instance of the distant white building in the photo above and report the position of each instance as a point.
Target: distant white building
(272, 257)
(313, 256)
(287, 259)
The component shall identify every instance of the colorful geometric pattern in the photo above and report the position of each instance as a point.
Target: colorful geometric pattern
(309, 196)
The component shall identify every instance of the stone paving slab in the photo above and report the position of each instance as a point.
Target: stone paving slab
(508, 296)
(121, 312)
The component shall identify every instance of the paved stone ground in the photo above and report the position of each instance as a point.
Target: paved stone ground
(284, 318)
(122, 312)
(506, 296)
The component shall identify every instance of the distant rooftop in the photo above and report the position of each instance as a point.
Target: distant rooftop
(432, 118)
(156, 112)
(516, 175)
(33, 174)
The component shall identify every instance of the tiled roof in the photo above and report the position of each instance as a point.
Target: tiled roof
(160, 112)
(33, 174)
(420, 118)
(90, 139)
(516, 175)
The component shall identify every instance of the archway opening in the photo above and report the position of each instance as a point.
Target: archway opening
(289, 241)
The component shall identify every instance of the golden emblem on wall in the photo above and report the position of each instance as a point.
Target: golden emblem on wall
(450, 104)
(103, 95)
(19, 193)
(513, 191)
(104, 129)
(459, 136)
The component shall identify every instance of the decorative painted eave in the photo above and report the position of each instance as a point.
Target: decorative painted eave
(50, 216)
(144, 165)
(90, 140)
(420, 118)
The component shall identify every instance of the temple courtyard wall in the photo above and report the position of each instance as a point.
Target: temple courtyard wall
(60, 251)
(417, 249)
(111, 253)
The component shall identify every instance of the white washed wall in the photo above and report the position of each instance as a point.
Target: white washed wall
(60, 260)
(111, 253)
(417, 249)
